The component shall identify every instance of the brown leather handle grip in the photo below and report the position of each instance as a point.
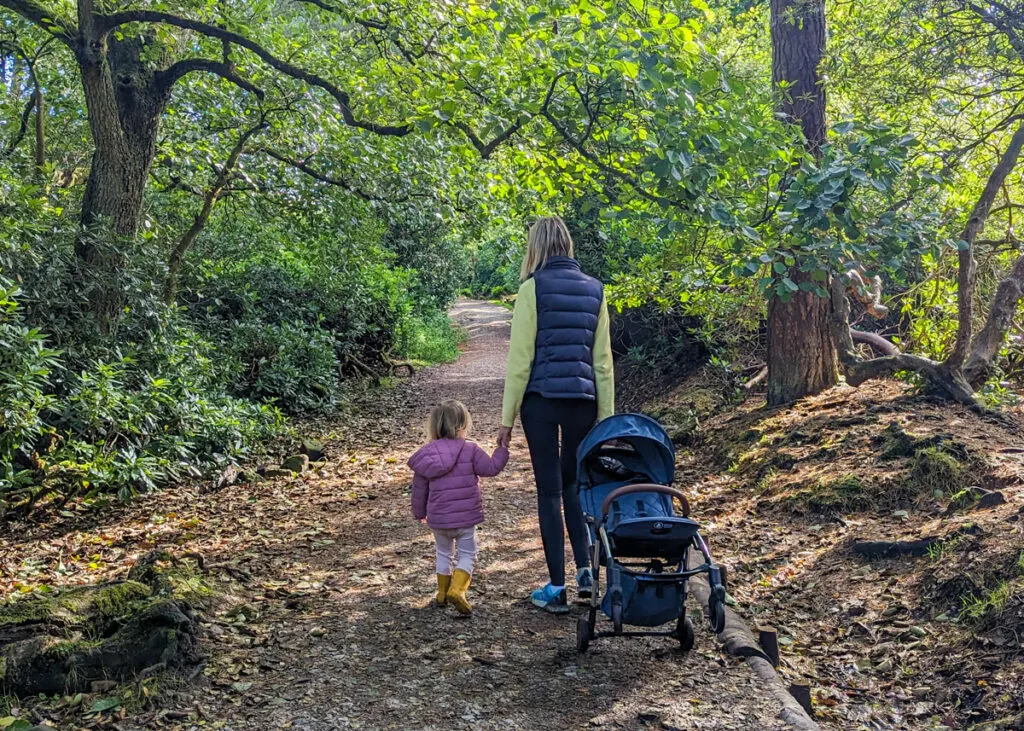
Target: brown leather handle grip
(643, 487)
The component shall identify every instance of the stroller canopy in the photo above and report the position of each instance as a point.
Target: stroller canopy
(643, 434)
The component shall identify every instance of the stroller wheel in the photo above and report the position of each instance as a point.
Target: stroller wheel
(583, 634)
(716, 613)
(684, 630)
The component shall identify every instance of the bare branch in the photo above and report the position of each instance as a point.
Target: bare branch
(486, 149)
(312, 172)
(226, 71)
(213, 193)
(858, 370)
(26, 114)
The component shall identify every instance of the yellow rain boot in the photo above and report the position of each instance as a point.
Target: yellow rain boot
(443, 582)
(457, 592)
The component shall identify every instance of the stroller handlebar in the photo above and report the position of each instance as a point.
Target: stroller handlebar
(644, 487)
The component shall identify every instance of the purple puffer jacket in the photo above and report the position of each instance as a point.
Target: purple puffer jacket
(446, 485)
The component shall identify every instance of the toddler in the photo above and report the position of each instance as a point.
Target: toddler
(446, 496)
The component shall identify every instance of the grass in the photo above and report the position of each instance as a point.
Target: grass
(980, 609)
(935, 469)
(985, 608)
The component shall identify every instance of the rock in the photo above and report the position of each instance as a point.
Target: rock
(313, 449)
(102, 686)
(901, 514)
(296, 463)
(990, 500)
(272, 473)
(227, 478)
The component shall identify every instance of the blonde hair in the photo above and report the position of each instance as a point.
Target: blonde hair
(447, 419)
(548, 237)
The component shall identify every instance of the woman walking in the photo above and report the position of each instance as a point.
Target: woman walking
(560, 380)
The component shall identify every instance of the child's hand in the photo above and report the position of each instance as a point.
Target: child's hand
(423, 521)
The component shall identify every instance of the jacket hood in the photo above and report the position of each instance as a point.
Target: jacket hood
(437, 458)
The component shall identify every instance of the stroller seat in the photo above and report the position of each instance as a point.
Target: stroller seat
(666, 538)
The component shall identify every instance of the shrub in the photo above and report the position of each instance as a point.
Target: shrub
(25, 366)
(291, 365)
(431, 338)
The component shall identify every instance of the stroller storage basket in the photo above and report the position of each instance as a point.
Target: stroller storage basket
(647, 602)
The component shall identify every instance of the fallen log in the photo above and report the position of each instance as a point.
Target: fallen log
(740, 642)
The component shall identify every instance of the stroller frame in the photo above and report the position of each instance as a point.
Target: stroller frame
(653, 571)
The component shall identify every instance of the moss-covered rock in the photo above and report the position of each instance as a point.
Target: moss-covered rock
(64, 642)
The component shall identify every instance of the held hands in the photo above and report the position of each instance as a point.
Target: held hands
(504, 436)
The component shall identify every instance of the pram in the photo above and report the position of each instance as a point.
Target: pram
(625, 467)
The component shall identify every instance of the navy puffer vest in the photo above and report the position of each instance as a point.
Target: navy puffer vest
(568, 304)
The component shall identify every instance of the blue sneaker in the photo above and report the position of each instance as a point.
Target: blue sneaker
(550, 600)
(584, 583)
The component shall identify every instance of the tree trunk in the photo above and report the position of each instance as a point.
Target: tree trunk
(125, 102)
(798, 46)
(801, 354)
(40, 130)
(989, 341)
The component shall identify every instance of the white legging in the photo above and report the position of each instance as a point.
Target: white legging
(452, 540)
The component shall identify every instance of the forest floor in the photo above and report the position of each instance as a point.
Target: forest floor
(788, 495)
(322, 614)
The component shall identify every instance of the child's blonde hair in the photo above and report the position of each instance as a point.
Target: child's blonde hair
(447, 419)
(548, 237)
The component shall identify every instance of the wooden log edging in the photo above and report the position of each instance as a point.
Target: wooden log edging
(740, 642)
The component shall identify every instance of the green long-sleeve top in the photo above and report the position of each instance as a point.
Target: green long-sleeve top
(521, 351)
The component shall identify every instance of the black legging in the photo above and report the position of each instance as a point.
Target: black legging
(555, 472)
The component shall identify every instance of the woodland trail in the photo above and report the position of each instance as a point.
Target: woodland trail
(327, 620)
(386, 658)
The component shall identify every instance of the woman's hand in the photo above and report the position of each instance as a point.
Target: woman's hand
(504, 436)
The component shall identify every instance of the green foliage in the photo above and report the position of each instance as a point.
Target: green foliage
(431, 338)
(291, 365)
(25, 367)
(497, 261)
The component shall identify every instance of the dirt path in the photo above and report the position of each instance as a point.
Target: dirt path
(329, 624)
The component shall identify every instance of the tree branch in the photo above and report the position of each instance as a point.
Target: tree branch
(342, 98)
(486, 149)
(43, 17)
(169, 76)
(965, 276)
(321, 176)
(858, 370)
(210, 198)
(12, 145)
